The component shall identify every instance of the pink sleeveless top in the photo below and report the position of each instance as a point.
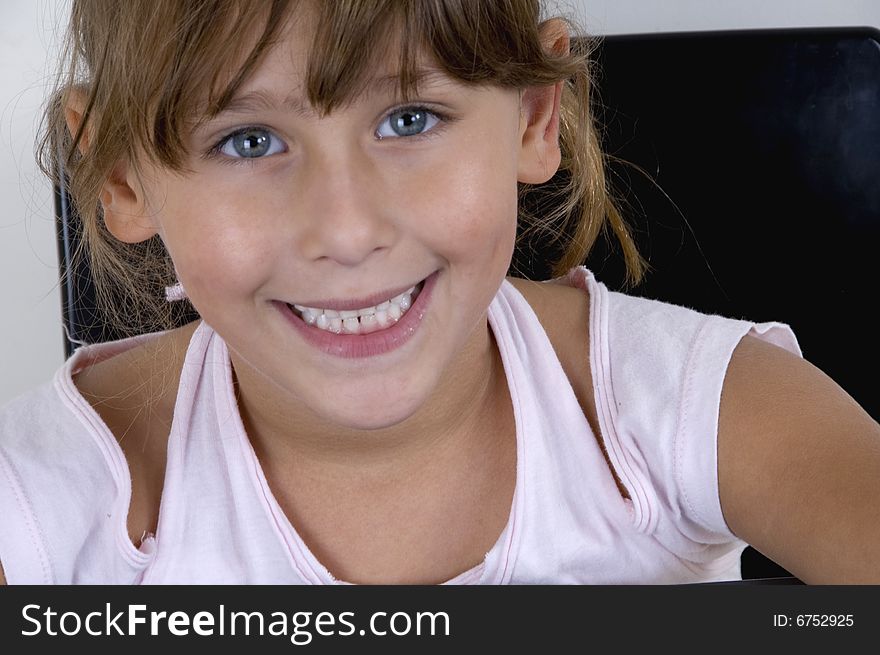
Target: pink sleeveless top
(657, 376)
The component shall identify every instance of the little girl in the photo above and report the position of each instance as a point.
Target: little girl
(337, 189)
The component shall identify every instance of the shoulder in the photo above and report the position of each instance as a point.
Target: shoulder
(798, 466)
(36, 429)
(135, 393)
(140, 380)
(643, 348)
(628, 356)
(112, 382)
(564, 314)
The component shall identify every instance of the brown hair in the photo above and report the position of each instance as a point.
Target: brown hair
(145, 65)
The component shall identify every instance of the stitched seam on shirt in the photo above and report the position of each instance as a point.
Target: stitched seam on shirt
(117, 465)
(614, 448)
(713, 566)
(683, 416)
(472, 576)
(606, 401)
(33, 526)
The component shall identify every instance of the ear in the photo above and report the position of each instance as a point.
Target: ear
(122, 196)
(539, 115)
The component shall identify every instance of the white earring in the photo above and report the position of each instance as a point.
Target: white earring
(175, 293)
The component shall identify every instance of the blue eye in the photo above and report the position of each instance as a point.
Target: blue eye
(251, 143)
(408, 122)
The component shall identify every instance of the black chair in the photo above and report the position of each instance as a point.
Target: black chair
(762, 150)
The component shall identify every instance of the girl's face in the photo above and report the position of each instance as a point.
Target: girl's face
(283, 208)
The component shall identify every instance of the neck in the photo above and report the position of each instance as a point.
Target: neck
(442, 429)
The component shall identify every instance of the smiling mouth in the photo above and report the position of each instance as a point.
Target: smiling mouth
(359, 321)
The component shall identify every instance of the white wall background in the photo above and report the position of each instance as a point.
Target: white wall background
(30, 316)
(624, 16)
(31, 344)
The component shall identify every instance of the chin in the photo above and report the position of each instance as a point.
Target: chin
(373, 413)
(369, 419)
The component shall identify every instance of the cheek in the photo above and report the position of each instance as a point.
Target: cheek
(473, 203)
(217, 241)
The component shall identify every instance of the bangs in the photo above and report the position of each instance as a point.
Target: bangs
(350, 44)
(472, 41)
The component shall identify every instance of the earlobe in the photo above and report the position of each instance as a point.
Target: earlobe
(540, 155)
(121, 196)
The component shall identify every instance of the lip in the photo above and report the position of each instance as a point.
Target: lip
(359, 346)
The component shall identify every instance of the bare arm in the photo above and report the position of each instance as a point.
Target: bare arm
(799, 467)
(2, 577)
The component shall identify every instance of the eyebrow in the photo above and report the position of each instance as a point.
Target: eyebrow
(261, 100)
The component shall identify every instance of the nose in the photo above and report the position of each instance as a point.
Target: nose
(344, 213)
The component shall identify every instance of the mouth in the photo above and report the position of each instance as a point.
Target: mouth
(359, 321)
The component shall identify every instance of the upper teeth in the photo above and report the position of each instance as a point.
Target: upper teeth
(372, 318)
